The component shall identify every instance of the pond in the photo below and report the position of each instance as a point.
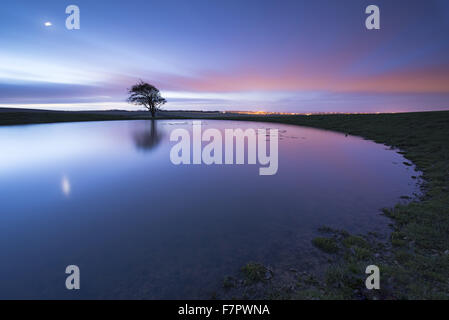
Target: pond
(107, 197)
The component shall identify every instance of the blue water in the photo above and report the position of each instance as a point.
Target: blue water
(105, 196)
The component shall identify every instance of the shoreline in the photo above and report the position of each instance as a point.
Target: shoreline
(415, 260)
(16, 116)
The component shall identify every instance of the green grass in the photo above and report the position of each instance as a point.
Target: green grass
(355, 241)
(254, 272)
(327, 245)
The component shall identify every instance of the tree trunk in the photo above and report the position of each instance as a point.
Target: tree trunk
(152, 110)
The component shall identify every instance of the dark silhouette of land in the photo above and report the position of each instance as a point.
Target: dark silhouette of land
(11, 116)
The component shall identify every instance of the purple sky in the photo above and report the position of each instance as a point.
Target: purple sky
(286, 56)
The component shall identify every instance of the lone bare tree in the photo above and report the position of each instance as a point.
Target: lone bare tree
(147, 95)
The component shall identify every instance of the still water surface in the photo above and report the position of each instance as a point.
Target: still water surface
(106, 197)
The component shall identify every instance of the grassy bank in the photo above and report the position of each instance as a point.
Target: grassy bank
(414, 264)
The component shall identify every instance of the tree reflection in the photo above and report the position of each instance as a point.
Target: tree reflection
(149, 137)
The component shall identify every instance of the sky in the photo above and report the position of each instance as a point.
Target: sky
(269, 55)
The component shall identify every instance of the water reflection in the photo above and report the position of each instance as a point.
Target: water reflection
(149, 137)
(65, 185)
(141, 227)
